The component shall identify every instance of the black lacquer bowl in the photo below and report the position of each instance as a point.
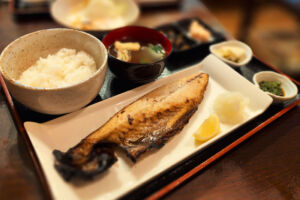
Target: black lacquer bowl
(135, 72)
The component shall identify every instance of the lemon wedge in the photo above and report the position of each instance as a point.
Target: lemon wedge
(208, 129)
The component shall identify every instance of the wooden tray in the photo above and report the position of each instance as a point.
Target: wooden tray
(173, 177)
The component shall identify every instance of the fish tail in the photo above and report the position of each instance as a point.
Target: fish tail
(99, 160)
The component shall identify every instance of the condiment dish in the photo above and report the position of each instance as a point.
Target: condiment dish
(233, 43)
(290, 90)
(135, 72)
(26, 50)
(94, 16)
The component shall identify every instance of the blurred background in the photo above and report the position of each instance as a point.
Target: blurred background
(270, 27)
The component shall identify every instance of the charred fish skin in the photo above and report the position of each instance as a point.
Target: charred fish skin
(101, 158)
(145, 124)
(156, 140)
(146, 131)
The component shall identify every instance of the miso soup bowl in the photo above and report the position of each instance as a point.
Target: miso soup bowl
(26, 50)
(135, 72)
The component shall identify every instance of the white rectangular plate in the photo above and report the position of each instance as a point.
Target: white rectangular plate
(66, 131)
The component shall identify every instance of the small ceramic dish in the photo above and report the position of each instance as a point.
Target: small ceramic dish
(235, 44)
(94, 16)
(290, 90)
(180, 42)
(136, 72)
(26, 50)
(178, 34)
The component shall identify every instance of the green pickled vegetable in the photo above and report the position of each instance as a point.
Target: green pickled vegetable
(273, 87)
(157, 48)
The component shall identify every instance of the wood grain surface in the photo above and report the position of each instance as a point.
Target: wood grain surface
(267, 166)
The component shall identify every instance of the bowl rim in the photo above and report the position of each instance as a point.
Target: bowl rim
(138, 27)
(57, 19)
(249, 52)
(276, 76)
(16, 83)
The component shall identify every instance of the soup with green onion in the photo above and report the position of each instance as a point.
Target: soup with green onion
(137, 52)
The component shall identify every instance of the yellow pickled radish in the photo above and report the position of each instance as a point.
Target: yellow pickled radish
(208, 129)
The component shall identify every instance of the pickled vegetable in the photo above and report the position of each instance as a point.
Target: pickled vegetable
(273, 87)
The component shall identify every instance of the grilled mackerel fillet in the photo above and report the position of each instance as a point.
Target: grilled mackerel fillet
(144, 124)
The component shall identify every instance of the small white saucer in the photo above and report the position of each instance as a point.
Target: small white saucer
(62, 10)
(233, 43)
(289, 88)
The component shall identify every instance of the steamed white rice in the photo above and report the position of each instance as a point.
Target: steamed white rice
(64, 68)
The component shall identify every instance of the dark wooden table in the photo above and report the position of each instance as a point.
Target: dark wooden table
(267, 166)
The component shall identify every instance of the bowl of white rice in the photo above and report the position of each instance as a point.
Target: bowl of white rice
(54, 71)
